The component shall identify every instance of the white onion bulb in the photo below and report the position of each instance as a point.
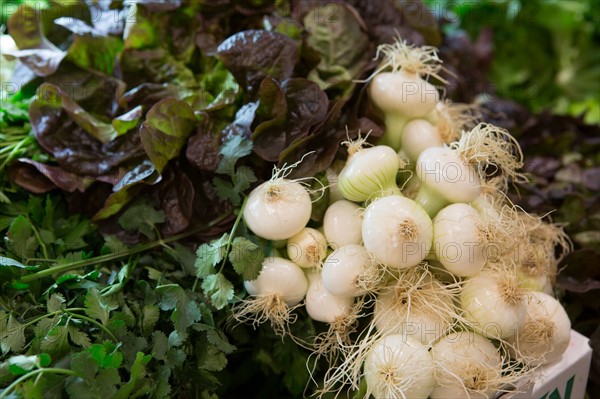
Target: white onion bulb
(323, 306)
(545, 334)
(399, 367)
(308, 248)
(493, 304)
(277, 209)
(459, 240)
(349, 271)
(397, 231)
(467, 365)
(281, 278)
(342, 224)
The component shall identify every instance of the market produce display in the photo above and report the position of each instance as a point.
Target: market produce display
(202, 197)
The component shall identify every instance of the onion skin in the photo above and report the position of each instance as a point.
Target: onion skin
(403, 93)
(404, 359)
(280, 277)
(534, 345)
(343, 268)
(277, 210)
(459, 358)
(397, 231)
(419, 135)
(342, 224)
(448, 175)
(485, 309)
(457, 240)
(323, 306)
(368, 173)
(308, 248)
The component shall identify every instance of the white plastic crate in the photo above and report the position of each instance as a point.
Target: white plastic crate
(565, 379)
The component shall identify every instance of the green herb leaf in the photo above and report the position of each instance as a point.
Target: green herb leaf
(166, 129)
(142, 217)
(97, 306)
(226, 191)
(219, 339)
(12, 334)
(79, 337)
(135, 386)
(246, 258)
(234, 149)
(218, 289)
(243, 177)
(150, 315)
(160, 345)
(209, 255)
(20, 239)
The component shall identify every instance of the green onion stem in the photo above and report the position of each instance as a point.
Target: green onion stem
(394, 125)
(430, 200)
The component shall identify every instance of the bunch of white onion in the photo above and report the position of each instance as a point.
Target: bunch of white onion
(450, 274)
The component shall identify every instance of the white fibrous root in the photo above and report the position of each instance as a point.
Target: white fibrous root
(493, 301)
(544, 335)
(402, 56)
(418, 305)
(351, 271)
(493, 152)
(340, 313)
(276, 292)
(455, 118)
(540, 252)
(467, 365)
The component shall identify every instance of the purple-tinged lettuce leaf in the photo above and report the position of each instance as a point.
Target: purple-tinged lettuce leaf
(203, 148)
(74, 149)
(95, 92)
(177, 201)
(291, 117)
(51, 96)
(90, 47)
(254, 54)
(386, 19)
(148, 94)
(38, 177)
(341, 43)
(117, 201)
(129, 120)
(166, 129)
(35, 34)
(155, 65)
(161, 5)
(127, 189)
